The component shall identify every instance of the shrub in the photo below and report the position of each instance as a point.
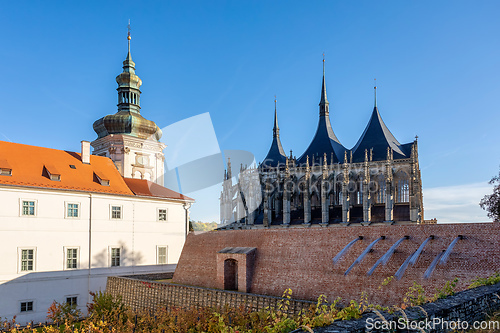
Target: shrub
(60, 313)
(105, 307)
(447, 290)
(493, 279)
(414, 296)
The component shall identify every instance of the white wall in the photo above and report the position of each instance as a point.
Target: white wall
(137, 234)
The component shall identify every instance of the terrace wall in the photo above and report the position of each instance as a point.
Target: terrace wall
(301, 259)
(150, 296)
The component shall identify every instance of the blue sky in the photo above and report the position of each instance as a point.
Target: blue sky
(437, 65)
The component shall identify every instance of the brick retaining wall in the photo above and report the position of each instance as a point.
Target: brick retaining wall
(301, 259)
(147, 295)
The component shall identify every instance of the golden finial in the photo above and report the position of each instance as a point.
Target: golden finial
(128, 27)
(323, 56)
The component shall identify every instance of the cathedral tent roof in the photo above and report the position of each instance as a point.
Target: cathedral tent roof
(324, 141)
(276, 155)
(378, 137)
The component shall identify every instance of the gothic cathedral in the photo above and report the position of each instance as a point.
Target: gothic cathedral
(376, 182)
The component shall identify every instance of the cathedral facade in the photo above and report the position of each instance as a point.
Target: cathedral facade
(377, 181)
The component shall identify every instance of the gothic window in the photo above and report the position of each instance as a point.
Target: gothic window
(359, 193)
(403, 194)
(381, 191)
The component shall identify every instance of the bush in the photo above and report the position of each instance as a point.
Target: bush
(105, 307)
(63, 313)
(494, 279)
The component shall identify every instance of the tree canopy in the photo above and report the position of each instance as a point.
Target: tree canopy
(491, 202)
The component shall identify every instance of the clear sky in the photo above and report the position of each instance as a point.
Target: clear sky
(437, 65)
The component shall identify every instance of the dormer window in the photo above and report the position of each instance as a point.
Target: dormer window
(5, 168)
(53, 173)
(5, 172)
(102, 179)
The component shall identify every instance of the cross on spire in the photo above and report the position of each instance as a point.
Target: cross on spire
(375, 90)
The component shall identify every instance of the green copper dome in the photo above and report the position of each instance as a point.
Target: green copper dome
(128, 119)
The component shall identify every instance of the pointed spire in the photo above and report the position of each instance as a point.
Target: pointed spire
(323, 103)
(128, 64)
(276, 154)
(276, 129)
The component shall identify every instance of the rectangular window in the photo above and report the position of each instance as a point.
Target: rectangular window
(28, 208)
(6, 172)
(72, 210)
(162, 214)
(72, 258)
(27, 260)
(115, 257)
(26, 306)
(162, 255)
(116, 212)
(72, 300)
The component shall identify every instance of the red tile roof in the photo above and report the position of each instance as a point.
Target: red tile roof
(147, 188)
(30, 165)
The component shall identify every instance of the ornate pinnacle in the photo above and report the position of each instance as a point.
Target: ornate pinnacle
(229, 173)
(366, 155)
(345, 156)
(308, 170)
(325, 167)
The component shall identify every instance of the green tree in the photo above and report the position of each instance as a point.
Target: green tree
(491, 202)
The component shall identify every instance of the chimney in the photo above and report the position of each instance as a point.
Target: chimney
(86, 152)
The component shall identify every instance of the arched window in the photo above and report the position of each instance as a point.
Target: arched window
(403, 189)
(381, 191)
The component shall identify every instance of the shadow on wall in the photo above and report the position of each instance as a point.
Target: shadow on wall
(126, 257)
(37, 290)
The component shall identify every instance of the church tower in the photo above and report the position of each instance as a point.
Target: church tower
(129, 139)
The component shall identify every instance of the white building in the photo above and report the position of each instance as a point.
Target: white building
(69, 220)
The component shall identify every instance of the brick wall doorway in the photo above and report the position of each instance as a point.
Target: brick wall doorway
(230, 274)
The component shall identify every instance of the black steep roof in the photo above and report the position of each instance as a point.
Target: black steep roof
(378, 137)
(324, 141)
(276, 155)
